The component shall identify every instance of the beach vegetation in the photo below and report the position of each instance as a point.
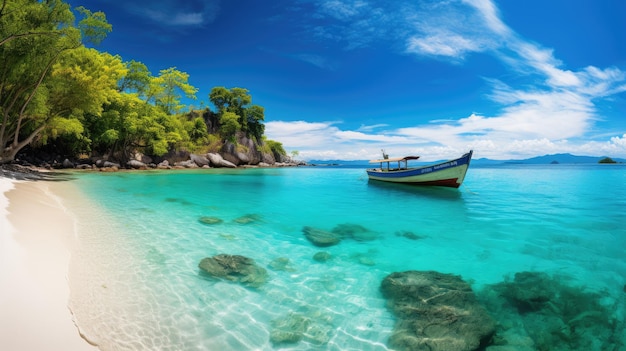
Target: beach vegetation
(276, 148)
(60, 96)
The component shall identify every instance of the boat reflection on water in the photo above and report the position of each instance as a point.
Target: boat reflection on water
(436, 192)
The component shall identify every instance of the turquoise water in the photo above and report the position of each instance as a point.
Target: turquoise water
(141, 241)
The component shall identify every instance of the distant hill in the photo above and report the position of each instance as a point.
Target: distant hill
(539, 160)
(549, 159)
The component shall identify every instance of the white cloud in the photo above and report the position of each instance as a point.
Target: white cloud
(175, 13)
(442, 44)
(553, 113)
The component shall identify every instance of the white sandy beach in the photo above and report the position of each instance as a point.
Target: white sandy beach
(36, 238)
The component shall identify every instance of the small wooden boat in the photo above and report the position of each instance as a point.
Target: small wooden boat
(449, 173)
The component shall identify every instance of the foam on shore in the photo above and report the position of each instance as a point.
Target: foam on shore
(35, 244)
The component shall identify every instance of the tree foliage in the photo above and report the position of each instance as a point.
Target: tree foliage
(54, 90)
(34, 35)
(237, 101)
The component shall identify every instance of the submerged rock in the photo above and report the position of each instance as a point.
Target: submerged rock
(409, 235)
(354, 231)
(247, 219)
(210, 220)
(529, 291)
(322, 256)
(295, 327)
(282, 264)
(320, 237)
(555, 315)
(235, 268)
(436, 312)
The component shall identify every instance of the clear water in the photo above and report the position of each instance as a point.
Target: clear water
(136, 283)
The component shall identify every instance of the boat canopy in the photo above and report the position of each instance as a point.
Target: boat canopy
(395, 159)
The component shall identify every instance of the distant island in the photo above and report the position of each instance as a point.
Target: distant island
(553, 159)
(539, 160)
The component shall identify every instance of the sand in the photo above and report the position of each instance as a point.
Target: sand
(36, 238)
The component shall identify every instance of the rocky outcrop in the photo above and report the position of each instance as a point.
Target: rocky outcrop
(436, 312)
(239, 269)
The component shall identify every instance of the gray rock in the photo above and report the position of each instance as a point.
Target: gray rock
(436, 312)
(136, 164)
(199, 160)
(218, 161)
(68, 164)
(187, 164)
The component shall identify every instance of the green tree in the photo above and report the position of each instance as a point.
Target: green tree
(137, 80)
(229, 125)
(255, 115)
(237, 101)
(80, 83)
(33, 37)
(168, 88)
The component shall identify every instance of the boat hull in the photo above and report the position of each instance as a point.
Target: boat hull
(448, 174)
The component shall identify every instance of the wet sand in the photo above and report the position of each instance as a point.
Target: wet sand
(36, 239)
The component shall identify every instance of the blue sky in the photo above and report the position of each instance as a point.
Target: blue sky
(342, 79)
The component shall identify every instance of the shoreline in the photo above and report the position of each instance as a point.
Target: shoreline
(36, 242)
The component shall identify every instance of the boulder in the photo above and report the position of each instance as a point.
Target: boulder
(234, 268)
(68, 164)
(199, 160)
(164, 165)
(186, 164)
(218, 161)
(134, 164)
(109, 164)
(436, 312)
(320, 237)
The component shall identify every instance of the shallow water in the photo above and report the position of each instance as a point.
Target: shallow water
(136, 283)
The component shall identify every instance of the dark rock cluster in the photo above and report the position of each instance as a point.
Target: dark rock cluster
(537, 311)
(435, 312)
